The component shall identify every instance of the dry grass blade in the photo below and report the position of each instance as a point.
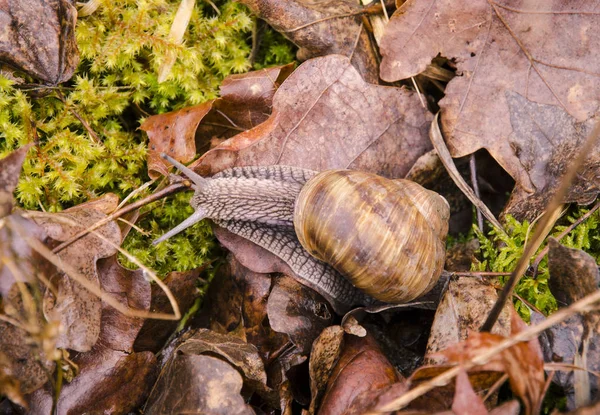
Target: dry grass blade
(546, 223)
(178, 28)
(93, 288)
(440, 146)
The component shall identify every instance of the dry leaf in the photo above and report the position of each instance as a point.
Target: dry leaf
(523, 363)
(46, 51)
(10, 171)
(326, 116)
(362, 369)
(463, 309)
(245, 102)
(324, 355)
(78, 310)
(527, 91)
(322, 28)
(198, 385)
(111, 378)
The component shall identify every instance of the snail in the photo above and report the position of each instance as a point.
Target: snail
(351, 235)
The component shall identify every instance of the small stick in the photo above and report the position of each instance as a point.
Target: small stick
(473, 168)
(481, 274)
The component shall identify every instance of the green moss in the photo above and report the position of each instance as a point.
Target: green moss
(500, 253)
(86, 130)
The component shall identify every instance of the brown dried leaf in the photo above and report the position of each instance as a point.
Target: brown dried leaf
(24, 361)
(322, 28)
(111, 378)
(528, 91)
(10, 171)
(9, 384)
(154, 333)
(574, 273)
(523, 363)
(299, 312)
(463, 309)
(245, 102)
(326, 116)
(198, 384)
(466, 401)
(78, 310)
(46, 51)
(325, 352)
(236, 303)
(240, 354)
(362, 369)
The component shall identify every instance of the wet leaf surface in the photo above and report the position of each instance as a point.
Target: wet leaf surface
(323, 28)
(46, 51)
(526, 102)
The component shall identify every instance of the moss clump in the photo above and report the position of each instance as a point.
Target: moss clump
(88, 142)
(500, 253)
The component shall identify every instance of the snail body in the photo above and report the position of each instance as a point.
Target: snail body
(338, 230)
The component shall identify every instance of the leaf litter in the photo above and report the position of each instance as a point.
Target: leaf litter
(268, 334)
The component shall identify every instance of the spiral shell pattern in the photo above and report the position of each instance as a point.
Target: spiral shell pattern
(386, 236)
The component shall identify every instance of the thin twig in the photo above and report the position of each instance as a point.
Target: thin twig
(481, 274)
(543, 228)
(475, 183)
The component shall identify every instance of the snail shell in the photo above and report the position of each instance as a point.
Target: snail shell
(386, 236)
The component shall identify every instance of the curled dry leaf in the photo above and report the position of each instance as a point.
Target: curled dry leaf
(245, 102)
(361, 371)
(78, 310)
(48, 51)
(236, 303)
(325, 353)
(111, 378)
(299, 312)
(323, 28)
(523, 363)
(326, 116)
(241, 355)
(528, 90)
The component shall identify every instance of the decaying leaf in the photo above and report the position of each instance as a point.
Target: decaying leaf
(326, 116)
(324, 355)
(463, 309)
(198, 384)
(523, 363)
(46, 51)
(322, 28)
(10, 171)
(78, 310)
(241, 355)
(111, 378)
(361, 371)
(573, 275)
(154, 333)
(245, 102)
(527, 91)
